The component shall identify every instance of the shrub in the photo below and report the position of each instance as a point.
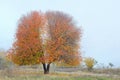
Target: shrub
(90, 62)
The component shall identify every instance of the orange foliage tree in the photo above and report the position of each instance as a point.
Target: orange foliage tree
(46, 38)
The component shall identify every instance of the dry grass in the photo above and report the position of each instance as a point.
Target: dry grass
(35, 74)
(111, 71)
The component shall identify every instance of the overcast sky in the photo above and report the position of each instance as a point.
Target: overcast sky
(100, 21)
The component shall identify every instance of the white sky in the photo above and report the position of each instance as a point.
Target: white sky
(100, 21)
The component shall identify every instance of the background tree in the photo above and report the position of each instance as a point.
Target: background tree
(111, 65)
(4, 63)
(46, 39)
(90, 62)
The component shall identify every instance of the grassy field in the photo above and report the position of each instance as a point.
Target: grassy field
(49, 77)
(33, 74)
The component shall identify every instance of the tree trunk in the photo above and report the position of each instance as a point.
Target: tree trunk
(46, 68)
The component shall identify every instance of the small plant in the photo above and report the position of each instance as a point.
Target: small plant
(90, 62)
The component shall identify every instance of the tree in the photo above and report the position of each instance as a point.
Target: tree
(4, 63)
(46, 38)
(111, 65)
(90, 62)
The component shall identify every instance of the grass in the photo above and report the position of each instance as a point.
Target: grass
(31, 74)
(47, 77)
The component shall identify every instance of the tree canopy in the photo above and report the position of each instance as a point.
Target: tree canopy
(46, 38)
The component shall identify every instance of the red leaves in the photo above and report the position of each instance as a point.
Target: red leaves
(46, 38)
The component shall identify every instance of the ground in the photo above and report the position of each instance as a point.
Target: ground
(35, 74)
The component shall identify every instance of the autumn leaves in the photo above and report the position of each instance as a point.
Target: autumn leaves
(46, 38)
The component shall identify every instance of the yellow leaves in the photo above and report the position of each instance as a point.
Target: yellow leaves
(90, 62)
(67, 47)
